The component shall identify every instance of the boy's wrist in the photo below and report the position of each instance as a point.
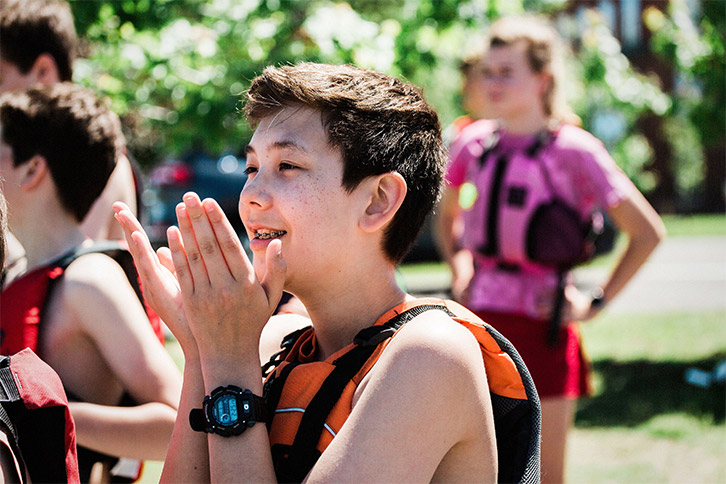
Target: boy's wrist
(243, 371)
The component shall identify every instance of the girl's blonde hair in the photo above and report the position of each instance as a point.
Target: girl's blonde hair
(545, 53)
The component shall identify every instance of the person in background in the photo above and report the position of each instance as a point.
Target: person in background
(37, 47)
(522, 82)
(472, 97)
(58, 146)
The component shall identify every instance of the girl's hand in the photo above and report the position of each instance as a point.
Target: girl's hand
(462, 272)
(577, 306)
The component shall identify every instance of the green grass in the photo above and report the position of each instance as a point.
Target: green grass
(681, 337)
(680, 225)
(644, 423)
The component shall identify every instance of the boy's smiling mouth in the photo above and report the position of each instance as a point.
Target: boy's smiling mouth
(264, 234)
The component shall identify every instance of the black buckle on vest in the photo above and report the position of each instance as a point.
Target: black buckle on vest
(373, 336)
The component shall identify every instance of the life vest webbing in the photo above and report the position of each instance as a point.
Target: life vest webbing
(492, 226)
(273, 392)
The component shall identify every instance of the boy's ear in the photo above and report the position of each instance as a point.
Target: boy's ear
(34, 171)
(45, 70)
(386, 196)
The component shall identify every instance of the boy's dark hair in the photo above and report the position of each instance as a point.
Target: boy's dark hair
(29, 28)
(73, 130)
(379, 123)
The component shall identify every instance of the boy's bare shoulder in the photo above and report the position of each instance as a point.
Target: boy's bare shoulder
(436, 341)
(434, 349)
(94, 272)
(94, 285)
(424, 407)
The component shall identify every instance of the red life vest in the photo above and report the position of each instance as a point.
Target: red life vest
(311, 400)
(34, 415)
(23, 301)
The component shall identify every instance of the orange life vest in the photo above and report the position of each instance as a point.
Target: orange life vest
(311, 400)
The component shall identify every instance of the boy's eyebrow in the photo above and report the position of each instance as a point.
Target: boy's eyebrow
(281, 144)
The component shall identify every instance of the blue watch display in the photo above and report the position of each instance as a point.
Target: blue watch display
(228, 411)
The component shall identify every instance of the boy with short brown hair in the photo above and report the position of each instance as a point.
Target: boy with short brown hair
(343, 167)
(58, 146)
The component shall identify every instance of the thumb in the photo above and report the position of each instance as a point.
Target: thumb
(274, 278)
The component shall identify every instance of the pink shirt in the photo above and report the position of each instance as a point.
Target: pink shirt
(583, 175)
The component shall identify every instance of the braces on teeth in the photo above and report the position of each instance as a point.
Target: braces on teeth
(269, 235)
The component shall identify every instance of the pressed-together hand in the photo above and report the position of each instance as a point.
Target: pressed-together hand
(225, 304)
(158, 281)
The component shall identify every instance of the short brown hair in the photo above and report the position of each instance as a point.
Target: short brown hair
(73, 130)
(379, 123)
(29, 28)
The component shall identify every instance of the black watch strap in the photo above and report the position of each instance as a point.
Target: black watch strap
(199, 419)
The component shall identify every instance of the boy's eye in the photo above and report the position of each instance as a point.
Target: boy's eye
(250, 170)
(287, 166)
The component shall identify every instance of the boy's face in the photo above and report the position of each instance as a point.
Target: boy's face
(294, 192)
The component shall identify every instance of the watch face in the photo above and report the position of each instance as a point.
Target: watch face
(225, 410)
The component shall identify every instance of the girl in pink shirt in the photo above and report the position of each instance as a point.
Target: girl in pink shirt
(529, 145)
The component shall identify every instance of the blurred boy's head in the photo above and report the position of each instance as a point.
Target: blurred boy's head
(71, 131)
(37, 43)
(379, 123)
(472, 91)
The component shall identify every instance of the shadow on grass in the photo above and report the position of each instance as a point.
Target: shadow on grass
(633, 392)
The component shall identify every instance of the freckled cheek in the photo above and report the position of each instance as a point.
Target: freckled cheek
(314, 214)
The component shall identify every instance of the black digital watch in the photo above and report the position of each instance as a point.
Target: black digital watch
(228, 411)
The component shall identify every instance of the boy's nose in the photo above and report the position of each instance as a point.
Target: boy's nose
(255, 194)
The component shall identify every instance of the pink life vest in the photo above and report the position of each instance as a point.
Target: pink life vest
(519, 219)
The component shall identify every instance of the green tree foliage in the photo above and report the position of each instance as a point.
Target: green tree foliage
(175, 68)
(694, 43)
